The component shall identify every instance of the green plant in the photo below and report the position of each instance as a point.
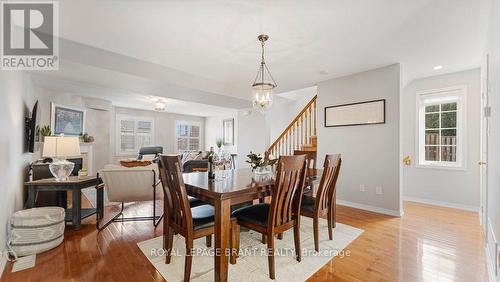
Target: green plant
(42, 132)
(219, 142)
(258, 160)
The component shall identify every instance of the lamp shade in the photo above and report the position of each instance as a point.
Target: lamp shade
(61, 147)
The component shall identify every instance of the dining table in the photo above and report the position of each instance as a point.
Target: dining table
(231, 187)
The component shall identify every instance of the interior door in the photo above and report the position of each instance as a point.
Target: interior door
(485, 129)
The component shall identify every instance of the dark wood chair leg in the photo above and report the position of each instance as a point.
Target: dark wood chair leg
(316, 232)
(270, 256)
(208, 240)
(189, 259)
(296, 239)
(330, 224)
(235, 241)
(169, 240)
(280, 236)
(263, 238)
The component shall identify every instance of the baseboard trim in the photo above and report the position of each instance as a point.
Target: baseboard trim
(370, 208)
(489, 265)
(3, 262)
(442, 204)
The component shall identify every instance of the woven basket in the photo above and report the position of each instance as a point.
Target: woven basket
(36, 230)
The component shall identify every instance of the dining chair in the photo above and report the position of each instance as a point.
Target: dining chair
(323, 204)
(179, 217)
(310, 157)
(281, 214)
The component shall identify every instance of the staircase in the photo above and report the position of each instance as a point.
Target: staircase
(300, 134)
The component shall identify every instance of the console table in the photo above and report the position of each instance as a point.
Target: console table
(75, 184)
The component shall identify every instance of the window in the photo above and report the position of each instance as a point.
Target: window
(188, 136)
(440, 127)
(132, 133)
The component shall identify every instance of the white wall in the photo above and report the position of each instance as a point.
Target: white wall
(493, 193)
(284, 110)
(213, 131)
(251, 135)
(15, 106)
(458, 188)
(370, 153)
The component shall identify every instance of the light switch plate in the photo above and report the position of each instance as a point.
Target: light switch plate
(378, 190)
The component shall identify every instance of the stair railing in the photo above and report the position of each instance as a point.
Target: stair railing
(298, 133)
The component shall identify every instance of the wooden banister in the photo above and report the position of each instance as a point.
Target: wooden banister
(298, 133)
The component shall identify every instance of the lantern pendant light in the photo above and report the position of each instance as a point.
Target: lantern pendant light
(262, 87)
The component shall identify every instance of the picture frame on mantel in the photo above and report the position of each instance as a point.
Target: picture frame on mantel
(228, 132)
(67, 120)
(352, 114)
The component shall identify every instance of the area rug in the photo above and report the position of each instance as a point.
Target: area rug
(252, 264)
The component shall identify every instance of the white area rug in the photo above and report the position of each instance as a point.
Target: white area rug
(252, 265)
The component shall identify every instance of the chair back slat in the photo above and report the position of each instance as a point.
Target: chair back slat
(288, 190)
(311, 157)
(177, 207)
(328, 182)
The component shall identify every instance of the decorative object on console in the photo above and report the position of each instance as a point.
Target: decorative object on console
(86, 138)
(228, 131)
(261, 164)
(67, 120)
(369, 112)
(42, 132)
(263, 84)
(59, 148)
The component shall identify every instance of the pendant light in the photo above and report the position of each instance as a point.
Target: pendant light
(262, 87)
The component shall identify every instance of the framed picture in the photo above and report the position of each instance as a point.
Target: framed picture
(361, 113)
(228, 131)
(67, 120)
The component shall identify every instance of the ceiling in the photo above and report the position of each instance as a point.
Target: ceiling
(217, 39)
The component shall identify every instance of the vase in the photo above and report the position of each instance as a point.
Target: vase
(263, 170)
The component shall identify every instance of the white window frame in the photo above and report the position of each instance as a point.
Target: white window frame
(189, 123)
(456, 94)
(118, 119)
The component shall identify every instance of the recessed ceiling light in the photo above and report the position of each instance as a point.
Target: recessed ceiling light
(437, 67)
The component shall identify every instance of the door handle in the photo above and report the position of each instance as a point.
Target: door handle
(481, 163)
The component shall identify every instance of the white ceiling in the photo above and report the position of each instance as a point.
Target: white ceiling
(217, 39)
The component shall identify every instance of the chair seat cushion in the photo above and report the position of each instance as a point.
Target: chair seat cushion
(256, 214)
(194, 202)
(203, 216)
(307, 203)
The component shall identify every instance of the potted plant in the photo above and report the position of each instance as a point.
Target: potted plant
(261, 164)
(41, 132)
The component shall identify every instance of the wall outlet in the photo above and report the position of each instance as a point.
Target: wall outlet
(378, 190)
(362, 188)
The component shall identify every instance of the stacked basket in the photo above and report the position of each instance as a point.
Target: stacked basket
(36, 230)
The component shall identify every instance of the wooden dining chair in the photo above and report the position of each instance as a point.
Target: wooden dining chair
(179, 217)
(310, 157)
(323, 204)
(281, 214)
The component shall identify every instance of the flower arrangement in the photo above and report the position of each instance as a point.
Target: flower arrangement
(259, 160)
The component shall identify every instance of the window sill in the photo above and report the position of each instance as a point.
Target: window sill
(441, 167)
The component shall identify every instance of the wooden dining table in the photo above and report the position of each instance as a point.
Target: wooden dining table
(234, 187)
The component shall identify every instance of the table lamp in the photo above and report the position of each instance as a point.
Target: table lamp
(59, 148)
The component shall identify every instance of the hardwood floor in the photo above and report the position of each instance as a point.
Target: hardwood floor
(427, 244)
